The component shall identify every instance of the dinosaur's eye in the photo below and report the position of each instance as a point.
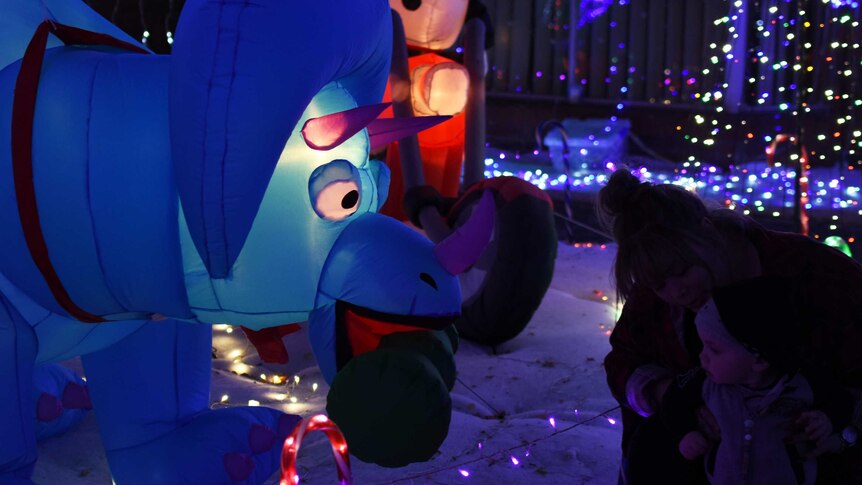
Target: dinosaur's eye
(337, 200)
(334, 190)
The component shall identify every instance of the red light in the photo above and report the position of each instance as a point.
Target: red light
(320, 422)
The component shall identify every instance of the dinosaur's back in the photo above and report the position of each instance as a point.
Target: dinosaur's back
(20, 18)
(107, 204)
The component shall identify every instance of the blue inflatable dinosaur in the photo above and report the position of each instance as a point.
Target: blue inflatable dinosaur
(229, 182)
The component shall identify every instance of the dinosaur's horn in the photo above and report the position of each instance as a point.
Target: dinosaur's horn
(328, 131)
(386, 130)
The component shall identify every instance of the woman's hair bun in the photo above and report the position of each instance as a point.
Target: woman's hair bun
(621, 188)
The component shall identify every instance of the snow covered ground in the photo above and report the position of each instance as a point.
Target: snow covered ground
(504, 399)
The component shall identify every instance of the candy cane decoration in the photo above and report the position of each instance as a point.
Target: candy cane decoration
(542, 130)
(801, 196)
(289, 476)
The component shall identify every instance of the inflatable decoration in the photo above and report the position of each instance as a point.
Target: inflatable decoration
(838, 243)
(61, 396)
(438, 87)
(431, 25)
(147, 196)
(289, 475)
(504, 288)
(435, 85)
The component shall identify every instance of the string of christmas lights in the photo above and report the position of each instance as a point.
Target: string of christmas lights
(509, 453)
(229, 358)
(753, 188)
(767, 67)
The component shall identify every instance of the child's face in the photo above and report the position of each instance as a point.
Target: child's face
(725, 360)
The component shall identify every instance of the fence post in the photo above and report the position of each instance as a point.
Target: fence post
(476, 125)
(735, 73)
(573, 89)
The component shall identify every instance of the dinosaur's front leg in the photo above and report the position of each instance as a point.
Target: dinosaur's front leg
(18, 348)
(61, 397)
(150, 393)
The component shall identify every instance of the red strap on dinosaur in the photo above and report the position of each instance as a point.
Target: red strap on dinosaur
(23, 114)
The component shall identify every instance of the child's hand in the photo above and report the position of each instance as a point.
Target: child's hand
(693, 445)
(814, 425)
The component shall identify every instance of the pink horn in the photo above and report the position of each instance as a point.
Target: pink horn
(328, 131)
(461, 249)
(386, 130)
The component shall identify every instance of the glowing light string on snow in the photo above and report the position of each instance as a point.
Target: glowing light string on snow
(506, 453)
(319, 422)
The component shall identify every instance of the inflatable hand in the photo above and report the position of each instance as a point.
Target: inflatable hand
(392, 405)
(437, 346)
(408, 419)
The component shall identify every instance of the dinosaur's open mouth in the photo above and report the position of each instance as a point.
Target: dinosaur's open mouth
(359, 330)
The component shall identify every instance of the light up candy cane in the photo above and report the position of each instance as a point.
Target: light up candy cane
(542, 131)
(289, 476)
(801, 196)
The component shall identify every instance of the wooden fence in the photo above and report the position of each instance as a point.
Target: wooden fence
(638, 51)
(669, 51)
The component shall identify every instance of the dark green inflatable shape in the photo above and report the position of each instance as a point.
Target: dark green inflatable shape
(519, 264)
(439, 347)
(392, 406)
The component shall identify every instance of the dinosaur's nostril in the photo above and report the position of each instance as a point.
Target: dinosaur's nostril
(428, 279)
(412, 4)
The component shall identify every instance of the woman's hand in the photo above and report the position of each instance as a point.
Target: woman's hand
(707, 424)
(693, 445)
(814, 425)
(829, 444)
(657, 389)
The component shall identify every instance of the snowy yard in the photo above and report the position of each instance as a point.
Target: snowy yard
(501, 430)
